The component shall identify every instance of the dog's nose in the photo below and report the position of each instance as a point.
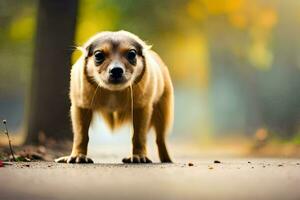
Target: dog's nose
(116, 72)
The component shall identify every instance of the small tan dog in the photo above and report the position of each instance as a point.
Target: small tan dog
(119, 77)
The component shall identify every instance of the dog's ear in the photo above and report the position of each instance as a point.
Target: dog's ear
(88, 50)
(83, 50)
(89, 46)
(141, 46)
(146, 48)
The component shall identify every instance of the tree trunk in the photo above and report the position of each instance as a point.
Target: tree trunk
(48, 112)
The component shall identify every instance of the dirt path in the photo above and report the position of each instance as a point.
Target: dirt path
(231, 179)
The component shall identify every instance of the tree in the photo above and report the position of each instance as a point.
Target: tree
(48, 112)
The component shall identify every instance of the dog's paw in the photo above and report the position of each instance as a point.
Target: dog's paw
(137, 159)
(74, 159)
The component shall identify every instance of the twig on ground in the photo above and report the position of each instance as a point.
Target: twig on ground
(9, 142)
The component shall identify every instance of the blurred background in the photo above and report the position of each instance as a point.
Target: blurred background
(235, 65)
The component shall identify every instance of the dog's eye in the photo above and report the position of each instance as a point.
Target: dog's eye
(99, 56)
(131, 55)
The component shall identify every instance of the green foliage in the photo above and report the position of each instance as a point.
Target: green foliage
(296, 139)
(16, 44)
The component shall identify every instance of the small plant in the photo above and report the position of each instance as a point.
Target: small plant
(9, 142)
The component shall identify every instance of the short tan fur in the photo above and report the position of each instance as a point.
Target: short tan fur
(94, 88)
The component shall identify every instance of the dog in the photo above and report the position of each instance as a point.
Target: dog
(121, 78)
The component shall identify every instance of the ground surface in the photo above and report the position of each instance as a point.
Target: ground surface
(233, 178)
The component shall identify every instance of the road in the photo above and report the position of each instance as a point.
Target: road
(233, 178)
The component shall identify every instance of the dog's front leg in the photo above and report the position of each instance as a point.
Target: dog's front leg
(141, 120)
(81, 119)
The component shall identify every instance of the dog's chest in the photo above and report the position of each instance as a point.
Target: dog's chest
(113, 102)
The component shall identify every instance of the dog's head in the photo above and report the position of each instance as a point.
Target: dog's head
(115, 60)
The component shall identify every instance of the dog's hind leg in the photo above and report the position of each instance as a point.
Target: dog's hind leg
(162, 119)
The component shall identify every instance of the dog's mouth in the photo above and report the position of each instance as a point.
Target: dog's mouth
(115, 84)
(116, 80)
